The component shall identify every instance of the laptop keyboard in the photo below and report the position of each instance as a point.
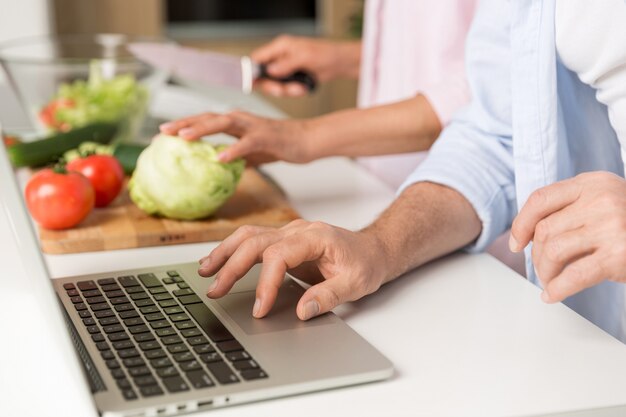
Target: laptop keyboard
(156, 335)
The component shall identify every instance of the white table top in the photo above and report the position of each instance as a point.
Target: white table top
(468, 337)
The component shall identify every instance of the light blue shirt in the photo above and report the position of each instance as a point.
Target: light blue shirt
(531, 123)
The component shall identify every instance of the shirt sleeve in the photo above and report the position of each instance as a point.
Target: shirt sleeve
(474, 154)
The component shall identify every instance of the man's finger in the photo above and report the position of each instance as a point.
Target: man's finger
(577, 276)
(551, 256)
(248, 254)
(541, 204)
(272, 50)
(325, 296)
(218, 256)
(277, 259)
(272, 88)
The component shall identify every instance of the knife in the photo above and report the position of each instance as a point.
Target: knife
(211, 67)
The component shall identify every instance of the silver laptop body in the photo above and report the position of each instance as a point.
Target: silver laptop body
(150, 343)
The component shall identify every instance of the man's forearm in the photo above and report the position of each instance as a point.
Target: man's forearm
(425, 222)
(406, 126)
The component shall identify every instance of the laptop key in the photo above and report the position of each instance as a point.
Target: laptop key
(194, 331)
(210, 357)
(84, 314)
(80, 306)
(72, 293)
(145, 380)
(110, 287)
(124, 307)
(99, 307)
(183, 357)
(134, 290)
(119, 300)
(155, 354)
(164, 296)
(129, 314)
(118, 373)
(204, 349)
(167, 372)
(151, 391)
(199, 379)
(154, 316)
(104, 313)
(229, 346)
(159, 324)
(167, 331)
(173, 310)
(179, 317)
(116, 337)
(171, 340)
(128, 353)
(133, 362)
(124, 383)
(93, 329)
(92, 293)
(175, 384)
(172, 273)
(86, 285)
(222, 372)
(168, 303)
(153, 344)
(183, 291)
(144, 303)
(143, 337)
(149, 280)
(140, 371)
(123, 344)
(114, 328)
(157, 290)
(89, 321)
(189, 299)
(216, 331)
(142, 328)
(191, 365)
(197, 340)
(139, 296)
(69, 286)
(245, 365)
(161, 363)
(129, 394)
(242, 355)
(177, 279)
(182, 325)
(133, 321)
(96, 300)
(168, 281)
(177, 348)
(252, 374)
(114, 294)
(182, 285)
(107, 321)
(149, 309)
(102, 346)
(98, 337)
(77, 299)
(107, 354)
(112, 364)
(106, 281)
(128, 281)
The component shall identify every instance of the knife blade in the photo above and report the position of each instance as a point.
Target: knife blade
(212, 68)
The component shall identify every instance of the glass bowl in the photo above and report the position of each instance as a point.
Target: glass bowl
(37, 66)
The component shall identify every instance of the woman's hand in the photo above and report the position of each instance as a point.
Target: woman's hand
(261, 139)
(349, 264)
(325, 60)
(578, 229)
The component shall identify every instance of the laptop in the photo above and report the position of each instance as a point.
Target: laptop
(149, 342)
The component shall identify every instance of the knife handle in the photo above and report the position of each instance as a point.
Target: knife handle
(301, 77)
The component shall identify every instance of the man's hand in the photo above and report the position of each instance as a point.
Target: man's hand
(261, 140)
(578, 229)
(350, 265)
(325, 60)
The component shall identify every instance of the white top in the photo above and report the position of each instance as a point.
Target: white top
(591, 41)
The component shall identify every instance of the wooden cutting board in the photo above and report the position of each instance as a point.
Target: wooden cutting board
(122, 225)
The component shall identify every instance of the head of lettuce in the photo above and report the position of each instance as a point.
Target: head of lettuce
(182, 180)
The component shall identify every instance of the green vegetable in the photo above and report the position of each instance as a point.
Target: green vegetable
(50, 149)
(98, 99)
(126, 153)
(181, 179)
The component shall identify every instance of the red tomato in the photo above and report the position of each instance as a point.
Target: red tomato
(47, 115)
(105, 174)
(59, 200)
(10, 140)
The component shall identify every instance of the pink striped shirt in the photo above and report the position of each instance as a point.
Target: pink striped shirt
(412, 47)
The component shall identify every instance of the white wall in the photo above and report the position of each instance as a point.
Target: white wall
(20, 18)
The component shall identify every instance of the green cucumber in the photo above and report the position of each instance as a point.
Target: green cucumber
(127, 154)
(50, 149)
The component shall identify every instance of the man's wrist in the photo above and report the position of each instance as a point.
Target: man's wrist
(348, 58)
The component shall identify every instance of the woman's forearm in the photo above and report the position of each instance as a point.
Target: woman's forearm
(406, 126)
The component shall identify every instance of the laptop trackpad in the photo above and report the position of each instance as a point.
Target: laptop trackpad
(281, 317)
